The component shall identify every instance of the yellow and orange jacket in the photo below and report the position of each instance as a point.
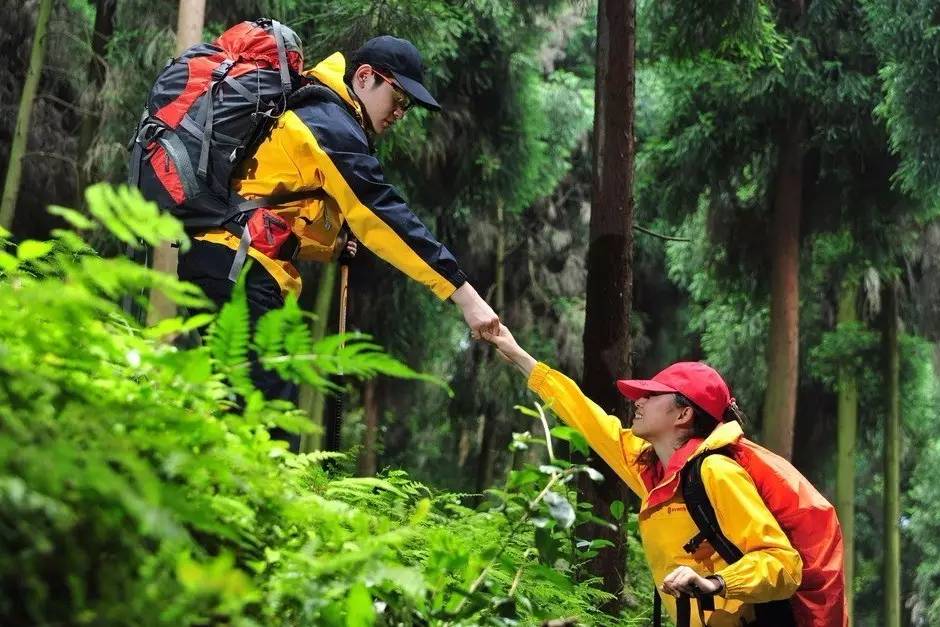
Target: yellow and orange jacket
(770, 569)
(322, 145)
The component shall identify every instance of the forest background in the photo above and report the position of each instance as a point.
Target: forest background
(786, 190)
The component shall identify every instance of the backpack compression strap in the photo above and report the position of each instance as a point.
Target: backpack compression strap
(244, 243)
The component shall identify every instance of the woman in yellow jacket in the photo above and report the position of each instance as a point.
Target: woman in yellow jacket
(682, 412)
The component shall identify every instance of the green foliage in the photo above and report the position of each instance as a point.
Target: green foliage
(906, 35)
(134, 489)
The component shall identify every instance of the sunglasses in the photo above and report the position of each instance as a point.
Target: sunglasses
(401, 100)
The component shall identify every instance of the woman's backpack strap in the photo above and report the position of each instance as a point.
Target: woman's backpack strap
(702, 512)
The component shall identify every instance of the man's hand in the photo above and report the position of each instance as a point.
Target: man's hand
(478, 315)
(510, 350)
(349, 250)
(684, 580)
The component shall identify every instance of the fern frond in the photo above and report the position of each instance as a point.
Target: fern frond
(229, 336)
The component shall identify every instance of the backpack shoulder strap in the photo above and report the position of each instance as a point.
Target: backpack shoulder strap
(702, 512)
(313, 92)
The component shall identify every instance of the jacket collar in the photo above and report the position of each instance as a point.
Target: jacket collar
(662, 486)
(330, 72)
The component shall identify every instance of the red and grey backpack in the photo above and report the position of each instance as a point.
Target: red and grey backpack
(208, 110)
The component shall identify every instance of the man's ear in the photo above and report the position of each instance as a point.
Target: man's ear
(362, 74)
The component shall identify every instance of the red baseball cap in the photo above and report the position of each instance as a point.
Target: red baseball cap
(698, 382)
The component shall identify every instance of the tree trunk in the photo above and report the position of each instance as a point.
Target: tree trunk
(97, 66)
(11, 186)
(846, 443)
(783, 359)
(188, 32)
(371, 411)
(609, 264)
(491, 415)
(891, 574)
(312, 400)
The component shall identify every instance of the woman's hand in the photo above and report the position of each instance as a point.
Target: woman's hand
(510, 350)
(685, 581)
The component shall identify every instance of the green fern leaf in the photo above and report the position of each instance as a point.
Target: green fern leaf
(229, 335)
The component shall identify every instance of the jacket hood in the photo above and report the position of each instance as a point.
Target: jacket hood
(330, 72)
(724, 434)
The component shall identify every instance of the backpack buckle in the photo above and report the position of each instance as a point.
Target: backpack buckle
(222, 70)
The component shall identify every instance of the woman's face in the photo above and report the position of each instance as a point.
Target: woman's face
(655, 416)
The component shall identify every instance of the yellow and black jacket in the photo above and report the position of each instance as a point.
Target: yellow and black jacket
(322, 145)
(771, 568)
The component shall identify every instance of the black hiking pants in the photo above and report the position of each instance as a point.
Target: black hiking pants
(207, 265)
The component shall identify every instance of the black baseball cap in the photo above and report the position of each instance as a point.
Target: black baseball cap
(401, 58)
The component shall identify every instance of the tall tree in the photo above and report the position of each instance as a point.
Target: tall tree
(609, 259)
(783, 346)
(11, 185)
(103, 29)
(189, 26)
(847, 441)
(891, 572)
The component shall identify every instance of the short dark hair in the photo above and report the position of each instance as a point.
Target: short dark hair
(353, 67)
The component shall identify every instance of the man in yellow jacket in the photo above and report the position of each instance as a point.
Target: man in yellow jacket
(649, 458)
(323, 144)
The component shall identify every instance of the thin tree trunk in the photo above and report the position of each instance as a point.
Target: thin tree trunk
(783, 357)
(846, 443)
(486, 457)
(312, 400)
(491, 417)
(11, 185)
(97, 66)
(609, 264)
(891, 573)
(370, 413)
(188, 32)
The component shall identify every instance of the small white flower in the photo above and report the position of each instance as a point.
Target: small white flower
(133, 358)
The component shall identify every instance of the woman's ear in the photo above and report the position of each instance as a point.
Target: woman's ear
(685, 418)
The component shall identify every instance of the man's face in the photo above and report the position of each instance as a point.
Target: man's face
(385, 102)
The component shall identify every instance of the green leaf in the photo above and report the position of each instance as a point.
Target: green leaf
(421, 511)
(33, 249)
(8, 263)
(560, 509)
(593, 474)
(75, 218)
(526, 411)
(616, 510)
(572, 436)
(359, 609)
(178, 325)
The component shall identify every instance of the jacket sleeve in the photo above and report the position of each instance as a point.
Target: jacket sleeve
(604, 434)
(375, 211)
(771, 569)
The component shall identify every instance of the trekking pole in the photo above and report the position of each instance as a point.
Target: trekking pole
(335, 418)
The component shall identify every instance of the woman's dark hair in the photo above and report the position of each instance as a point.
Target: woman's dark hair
(702, 423)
